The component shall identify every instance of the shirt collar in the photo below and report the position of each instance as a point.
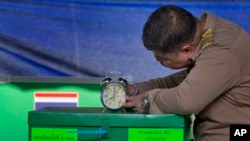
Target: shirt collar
(209, 24)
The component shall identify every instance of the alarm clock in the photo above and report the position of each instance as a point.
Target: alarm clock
(113, 92)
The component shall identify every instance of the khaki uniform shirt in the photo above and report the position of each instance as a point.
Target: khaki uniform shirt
(216, 90)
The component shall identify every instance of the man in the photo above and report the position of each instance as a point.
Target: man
(215, 82)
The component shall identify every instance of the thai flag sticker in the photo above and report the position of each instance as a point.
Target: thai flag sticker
(55, 99)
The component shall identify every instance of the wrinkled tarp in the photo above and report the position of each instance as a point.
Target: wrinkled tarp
(88, 38)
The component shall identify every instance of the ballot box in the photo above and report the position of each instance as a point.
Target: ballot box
(21, 94)
(97, 124)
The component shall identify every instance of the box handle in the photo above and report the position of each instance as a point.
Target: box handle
(105, 127)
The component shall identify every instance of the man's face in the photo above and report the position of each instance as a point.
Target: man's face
(172, 60)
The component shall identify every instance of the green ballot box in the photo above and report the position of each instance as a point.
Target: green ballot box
(20, 94)
(94, 124)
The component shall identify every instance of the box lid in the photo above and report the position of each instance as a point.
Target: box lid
(83, 116)
(40, 79)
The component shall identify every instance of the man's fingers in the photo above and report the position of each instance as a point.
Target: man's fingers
(130, 98)
(129, 102)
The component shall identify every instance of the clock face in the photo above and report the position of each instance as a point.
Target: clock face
(113, 96)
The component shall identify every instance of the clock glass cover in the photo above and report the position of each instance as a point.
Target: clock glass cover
(113, 96)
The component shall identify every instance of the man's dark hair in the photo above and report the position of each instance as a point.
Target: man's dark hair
(168, 28)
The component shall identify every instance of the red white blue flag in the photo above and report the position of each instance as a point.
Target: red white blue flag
(55, 99)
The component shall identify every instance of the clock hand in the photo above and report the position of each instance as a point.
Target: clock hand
(114, 95)
(110, 98)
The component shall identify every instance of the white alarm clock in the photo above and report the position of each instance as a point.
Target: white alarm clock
(113, 92)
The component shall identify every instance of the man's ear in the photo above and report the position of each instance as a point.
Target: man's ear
(187, 49)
